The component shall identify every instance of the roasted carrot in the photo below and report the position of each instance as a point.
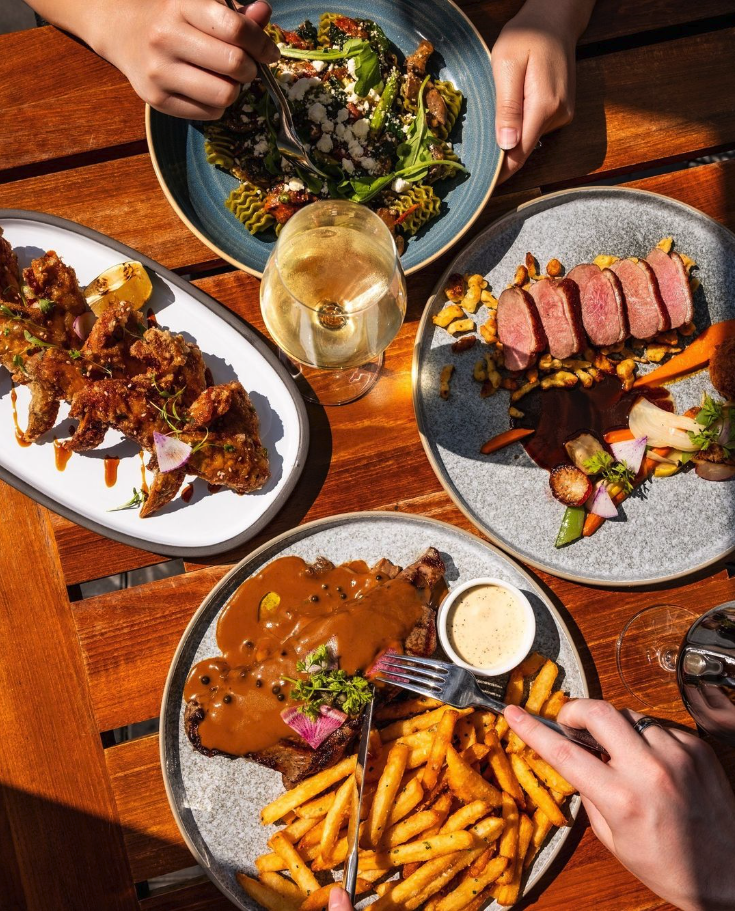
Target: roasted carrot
(618, 436)
(648, 466)
(693, 357)
(505, 439)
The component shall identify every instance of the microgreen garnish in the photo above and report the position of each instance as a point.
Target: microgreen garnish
(328, 686)
(603, 464)
(35, 341)
(139, 497)
(6, 311)
(45, 305)
(19, 363)
(710, 417)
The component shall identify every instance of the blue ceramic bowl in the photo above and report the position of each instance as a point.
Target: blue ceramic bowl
(197, 190)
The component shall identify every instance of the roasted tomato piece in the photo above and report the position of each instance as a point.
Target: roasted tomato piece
(350, 27)
(355, 112)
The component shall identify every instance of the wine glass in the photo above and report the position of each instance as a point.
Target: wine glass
(333, 297)
(667, 653)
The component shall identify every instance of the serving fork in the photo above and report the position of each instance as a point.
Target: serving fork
(287, 139)
(457, 687)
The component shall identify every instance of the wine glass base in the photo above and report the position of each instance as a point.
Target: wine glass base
(333, 387)
(647, 651)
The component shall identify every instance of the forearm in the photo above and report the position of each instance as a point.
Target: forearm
(87, 19)
(569, 17)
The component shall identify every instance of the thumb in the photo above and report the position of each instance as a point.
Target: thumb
(259, 12)
(510, 76)
(339, 900)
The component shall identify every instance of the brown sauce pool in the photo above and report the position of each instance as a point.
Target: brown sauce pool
(61, 455)
(243, 691)
(557, 415)
(18, 431)
(111, 465)
(187, 492)
(143, 483)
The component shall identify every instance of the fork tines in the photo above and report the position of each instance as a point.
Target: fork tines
(419, 675)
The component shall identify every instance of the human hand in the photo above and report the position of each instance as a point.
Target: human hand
(662, 805)
(339, 900)
(187, 58)
(534, 69)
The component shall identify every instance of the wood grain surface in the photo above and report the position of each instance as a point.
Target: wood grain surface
(655, 85)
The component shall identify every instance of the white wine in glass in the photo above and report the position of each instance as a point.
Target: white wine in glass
(333, 298)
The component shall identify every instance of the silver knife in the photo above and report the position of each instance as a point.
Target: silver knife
(349, 880)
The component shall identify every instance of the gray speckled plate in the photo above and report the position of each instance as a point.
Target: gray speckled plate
(679, 524)
(216, 801)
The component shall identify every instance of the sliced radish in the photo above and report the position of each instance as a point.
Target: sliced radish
(630, 452)
(314, 732)
(715, 471)
(724, 439)
(83, 324)
(171, 452)
(602, 504)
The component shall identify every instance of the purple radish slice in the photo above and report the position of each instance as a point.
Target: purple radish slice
(83, 324)
(714, 471)
(171, 452)
(602, 504)
(314, 731)
(630, 452)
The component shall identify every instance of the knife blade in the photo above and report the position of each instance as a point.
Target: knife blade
(349, 880)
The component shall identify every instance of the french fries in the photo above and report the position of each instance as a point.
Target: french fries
(453, 800)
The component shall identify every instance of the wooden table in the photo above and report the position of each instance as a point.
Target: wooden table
(84, 823)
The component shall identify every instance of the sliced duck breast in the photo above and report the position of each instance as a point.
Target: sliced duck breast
(647, 313)
(601, 297)
(673, 283)
(520, 330)
(558, 306)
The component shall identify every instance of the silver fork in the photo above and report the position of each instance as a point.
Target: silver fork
(287, 139)
(457, 687)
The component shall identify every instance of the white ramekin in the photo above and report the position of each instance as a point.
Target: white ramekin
(524, 605)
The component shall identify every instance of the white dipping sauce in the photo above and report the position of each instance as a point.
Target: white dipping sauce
(486, 626)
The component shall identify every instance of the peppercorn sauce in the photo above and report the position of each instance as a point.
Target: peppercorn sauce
(358, 611)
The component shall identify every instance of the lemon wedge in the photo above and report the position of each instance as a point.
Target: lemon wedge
(124, 282)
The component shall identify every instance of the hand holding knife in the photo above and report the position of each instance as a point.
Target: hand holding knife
(353, 832)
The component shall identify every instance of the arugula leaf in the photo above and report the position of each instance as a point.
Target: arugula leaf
(367, 63)
(418, 137)
(365, 188)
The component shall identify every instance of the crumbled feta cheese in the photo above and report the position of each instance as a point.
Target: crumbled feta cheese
(295, 184)
(281, 46)
(355, 149)
(373, 96)
(348, 166)
(345, 133)
(400, 185)
(324, 98)
(285, 76)
(318, 65)
(350, 92)
(352, 67)
(247, 109)
(325, 143)
(342, 115)
(260, 148)
(317, 112)
(361, 128)
(327, 126)
(297, 91)
(370, 164)
(324, 190)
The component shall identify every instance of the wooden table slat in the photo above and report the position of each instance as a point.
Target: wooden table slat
(152, 839)
(198, 896)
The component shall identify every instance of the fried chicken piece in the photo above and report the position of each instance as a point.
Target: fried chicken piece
(54, 297)
(113, 335)
(9, 273)
(177, 364)
(163, 489)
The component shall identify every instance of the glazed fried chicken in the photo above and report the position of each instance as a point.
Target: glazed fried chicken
(136, 379)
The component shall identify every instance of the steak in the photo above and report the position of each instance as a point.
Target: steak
(673, 282)
(601, 298)
(647, 314)
(294, 759)
(520, 329)
(558, 306)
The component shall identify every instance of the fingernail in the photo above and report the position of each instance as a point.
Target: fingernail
(513, 714)
(508, 138)
(339, 900)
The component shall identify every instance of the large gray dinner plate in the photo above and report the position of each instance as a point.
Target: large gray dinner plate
(217, 801)
(679, 524)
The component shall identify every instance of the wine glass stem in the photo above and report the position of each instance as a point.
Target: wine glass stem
(668, 657)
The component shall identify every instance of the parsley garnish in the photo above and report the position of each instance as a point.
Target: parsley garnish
(325, 686)
(603, 464)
